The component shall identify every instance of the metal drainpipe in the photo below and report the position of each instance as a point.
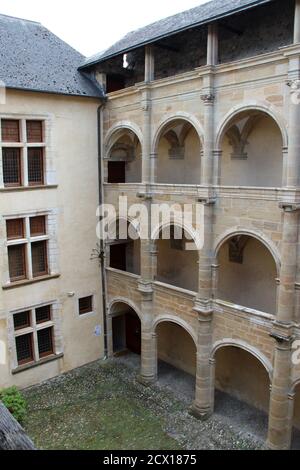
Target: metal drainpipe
(102, 245)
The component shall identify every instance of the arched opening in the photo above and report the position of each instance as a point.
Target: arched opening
(124, 162)
(177, 265)
(179, 154)
(176, 354)
(247, 274)
(126, 329)
(124, 247)
(242, 390)
(251, 145)
(296, 421)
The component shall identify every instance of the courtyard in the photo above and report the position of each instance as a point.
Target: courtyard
(102, 406)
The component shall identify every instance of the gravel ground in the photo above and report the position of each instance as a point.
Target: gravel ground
(102, 406)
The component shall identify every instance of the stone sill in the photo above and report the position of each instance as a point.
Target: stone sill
(27, 188)
(33, 365)
(28, 282)
(163, 287)
(122, 273)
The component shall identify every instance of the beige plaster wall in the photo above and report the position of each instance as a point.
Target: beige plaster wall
(176, 347)
(263, 167)
(251, 284)
(73, 147)
(186, 171)
(241, 375)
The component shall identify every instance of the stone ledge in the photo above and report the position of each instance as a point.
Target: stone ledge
(28, 282)
(46, 360)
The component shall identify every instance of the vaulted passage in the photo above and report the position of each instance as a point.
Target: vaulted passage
(179, 154)
(124, 249)
(247, 274)
(124, 162)
(251, 151)
(176, 353)
(242, 389)
(176, 265)
(126, 328)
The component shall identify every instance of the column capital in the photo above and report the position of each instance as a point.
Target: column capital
(208, 96)
(207, 201)
(146, 289)
(283, 334)
(289, 206)
(204, 309)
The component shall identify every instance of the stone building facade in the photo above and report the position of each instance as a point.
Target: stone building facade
(210, 114)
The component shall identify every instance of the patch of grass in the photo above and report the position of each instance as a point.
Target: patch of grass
(92, 412)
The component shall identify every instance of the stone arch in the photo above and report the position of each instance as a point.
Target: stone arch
(122, 126)
(191, 231)
(232, 232)
(295, 384)
(227, 342)
(124, 300)
(180, 115)
(263, 107)
(178, 321)
(125, 326)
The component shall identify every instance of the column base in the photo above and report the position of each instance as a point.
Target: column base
(271, 446)
(200, 413)
(146, 381)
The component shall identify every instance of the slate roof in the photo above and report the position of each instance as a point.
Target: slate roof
(32, 58)
(202, 14)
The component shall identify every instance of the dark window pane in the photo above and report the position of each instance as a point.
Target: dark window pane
(39, 259)
(10, 130)
(38, 226)
(45, 342)
(24, 349)
(85, 305)
(21, 320)
(16, 261)
(11, 161)
(15, 229)
(35, 166)
(43, 314)
(34, 131)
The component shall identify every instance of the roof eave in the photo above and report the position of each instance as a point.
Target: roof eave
(180, 30)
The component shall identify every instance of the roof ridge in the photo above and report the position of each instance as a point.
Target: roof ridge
(20, 19)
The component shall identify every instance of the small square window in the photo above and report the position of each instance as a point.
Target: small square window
(15, 229)
(43, 314)
(34, 131)
(22, 320)
(37, 226)
(10, 130)
(45, 342)
(24, 349)
(85, 305)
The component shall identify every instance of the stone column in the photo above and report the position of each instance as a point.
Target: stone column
(148, 373)
(288, 270)
(297, 22)
(149, 64)
(292, 170)
(147, 134)
(204, 395)
(281, 406)
(212, 45)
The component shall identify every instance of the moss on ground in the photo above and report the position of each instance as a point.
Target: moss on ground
(102, 406)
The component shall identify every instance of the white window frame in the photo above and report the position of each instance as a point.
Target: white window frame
(50, 237)
(23, 145)
(54, 323)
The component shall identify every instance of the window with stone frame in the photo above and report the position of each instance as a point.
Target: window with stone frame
(85, 305)
(34, 334)
(23, 147)
(27, 247)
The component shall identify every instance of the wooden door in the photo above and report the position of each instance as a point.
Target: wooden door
(133, 333)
